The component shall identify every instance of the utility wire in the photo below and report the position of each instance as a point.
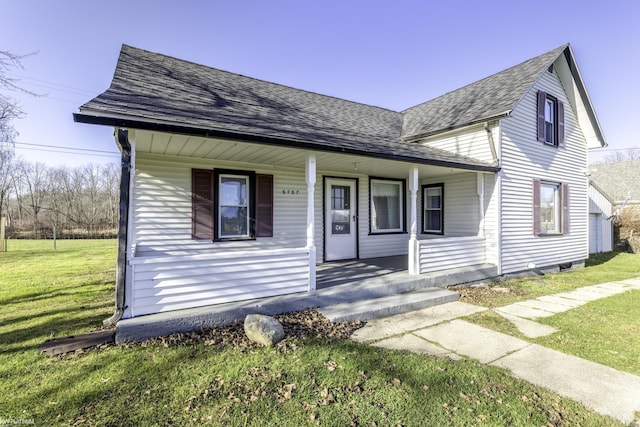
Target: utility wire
(70, 152)
(65, 148)
(50, 85)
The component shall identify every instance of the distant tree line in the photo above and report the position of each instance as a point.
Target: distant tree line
(74, 202)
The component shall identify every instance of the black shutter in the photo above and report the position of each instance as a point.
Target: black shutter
(536, 206)
(561, 142)
(264, 206)
(202, 204)
(542, 99)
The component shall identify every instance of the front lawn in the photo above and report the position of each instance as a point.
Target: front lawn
(599, 268)
(605, 331)
(307, 382)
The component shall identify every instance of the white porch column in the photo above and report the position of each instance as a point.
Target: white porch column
(310, 177)
(414, 259)
(480, 191)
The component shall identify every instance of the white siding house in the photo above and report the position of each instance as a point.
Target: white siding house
(235, 188)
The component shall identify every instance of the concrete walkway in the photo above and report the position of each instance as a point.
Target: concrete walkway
(439, 331)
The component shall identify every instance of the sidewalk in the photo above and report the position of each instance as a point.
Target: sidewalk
(439, 331)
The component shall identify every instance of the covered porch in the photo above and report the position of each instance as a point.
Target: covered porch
(169, 271)
(346, 290)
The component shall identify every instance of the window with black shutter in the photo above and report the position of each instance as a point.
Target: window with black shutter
(231, 204)
(550, 208)
(202, 204)
(550, 120)
(264, 205)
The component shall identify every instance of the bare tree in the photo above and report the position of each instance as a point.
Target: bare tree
(9, 110)
(33, 183)
(6, 178)
(620, 156)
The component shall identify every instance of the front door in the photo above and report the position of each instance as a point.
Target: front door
(341, 220)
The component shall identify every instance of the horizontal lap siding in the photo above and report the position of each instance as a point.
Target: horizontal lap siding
(379, 245)
(471, 142)
(185, 282)
(524, 158)
(461, 204)
(162, 207)
(441, 254)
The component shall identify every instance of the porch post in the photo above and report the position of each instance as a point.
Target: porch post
(310, 174)
(414, 256)
(480, 191)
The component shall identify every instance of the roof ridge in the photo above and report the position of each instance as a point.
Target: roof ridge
(259, 79)
(559, 49)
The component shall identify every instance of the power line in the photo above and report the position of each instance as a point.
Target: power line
(50, 85)
(65, 148)
(70, 152)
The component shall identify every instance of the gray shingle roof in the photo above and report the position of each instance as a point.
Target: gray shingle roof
(154, 88)
(491, 97)
(618, 179)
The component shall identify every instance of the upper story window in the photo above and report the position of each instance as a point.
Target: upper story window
(550, 120)
(387, 205)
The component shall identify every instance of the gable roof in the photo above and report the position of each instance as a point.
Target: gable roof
(487, 99)
(158, 92)
(498, 95)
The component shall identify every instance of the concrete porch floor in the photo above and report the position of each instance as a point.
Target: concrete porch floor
(335, 273)
(347, 283)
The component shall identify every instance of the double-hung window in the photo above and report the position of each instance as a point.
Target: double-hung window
(433, 209)
(231, 204)
(387, 205)
(550, 208)
(550, 125)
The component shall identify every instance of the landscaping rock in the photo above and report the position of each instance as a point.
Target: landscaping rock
(262, 329)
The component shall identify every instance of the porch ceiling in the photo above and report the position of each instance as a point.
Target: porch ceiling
(246, 152)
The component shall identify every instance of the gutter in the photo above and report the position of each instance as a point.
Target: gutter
(122, 139)
(84, 117)
(493, 117)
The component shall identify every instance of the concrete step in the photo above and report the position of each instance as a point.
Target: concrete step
(389, 305)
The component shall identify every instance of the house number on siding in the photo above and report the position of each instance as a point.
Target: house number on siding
(291, 192)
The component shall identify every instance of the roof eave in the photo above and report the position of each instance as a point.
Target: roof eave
(492, 117)
(582, 89)
(97, 118)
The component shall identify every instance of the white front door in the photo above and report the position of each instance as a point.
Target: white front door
(341, 221)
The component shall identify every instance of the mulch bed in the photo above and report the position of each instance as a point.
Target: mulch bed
(303, 324)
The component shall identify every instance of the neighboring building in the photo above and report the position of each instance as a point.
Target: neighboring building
(621, 182)
(235, 188)
(600, 221)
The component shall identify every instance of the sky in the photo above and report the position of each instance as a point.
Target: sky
(391, 54)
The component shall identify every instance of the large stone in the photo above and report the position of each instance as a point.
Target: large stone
(262, 329)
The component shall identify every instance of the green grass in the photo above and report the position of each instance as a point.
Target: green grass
(599, 268)
(314, 382)
(605, 331)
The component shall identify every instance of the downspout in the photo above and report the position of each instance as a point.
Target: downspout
(492, 145)
(122, 140)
